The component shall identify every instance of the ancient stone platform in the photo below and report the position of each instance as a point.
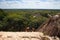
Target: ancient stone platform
(19, 35)
(24, 36)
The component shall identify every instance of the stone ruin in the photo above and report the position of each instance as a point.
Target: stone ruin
(51, 27)
(25, 36)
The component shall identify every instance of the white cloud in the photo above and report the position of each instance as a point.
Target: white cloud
(34, 4)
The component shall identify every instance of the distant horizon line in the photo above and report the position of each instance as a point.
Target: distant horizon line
(39, 9)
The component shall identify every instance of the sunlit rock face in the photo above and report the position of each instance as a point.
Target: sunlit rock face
(51, 27)
(25, 36)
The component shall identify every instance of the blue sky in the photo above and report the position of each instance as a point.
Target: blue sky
(30, 4)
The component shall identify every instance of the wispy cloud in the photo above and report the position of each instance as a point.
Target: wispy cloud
(30, 4)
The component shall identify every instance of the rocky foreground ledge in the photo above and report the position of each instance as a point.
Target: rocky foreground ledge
(25, 36)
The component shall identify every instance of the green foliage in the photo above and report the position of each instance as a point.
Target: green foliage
(19, 20)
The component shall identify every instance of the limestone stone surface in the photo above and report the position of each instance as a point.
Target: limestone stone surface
(24, 36)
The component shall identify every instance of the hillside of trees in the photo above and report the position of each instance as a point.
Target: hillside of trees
(20, 19)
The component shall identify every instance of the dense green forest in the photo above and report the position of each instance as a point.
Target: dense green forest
(20, 19)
